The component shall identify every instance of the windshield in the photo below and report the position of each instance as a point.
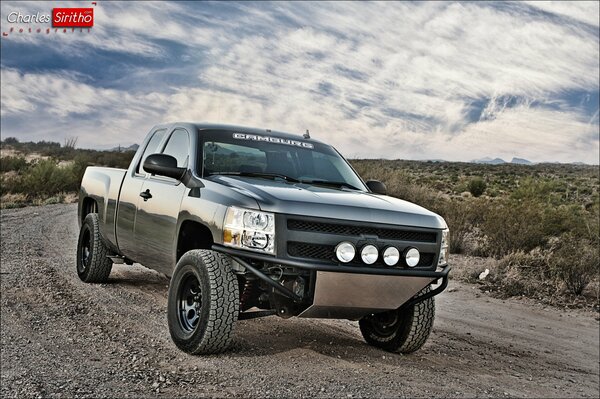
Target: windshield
(243, 154)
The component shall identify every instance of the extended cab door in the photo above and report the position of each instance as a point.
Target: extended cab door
(129, 197)
(158, 209)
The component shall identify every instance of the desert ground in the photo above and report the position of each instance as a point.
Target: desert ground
(63, 338)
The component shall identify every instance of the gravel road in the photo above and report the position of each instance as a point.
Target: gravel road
(61, 337)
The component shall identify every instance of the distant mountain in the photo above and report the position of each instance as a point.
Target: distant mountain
(500, 161)
(521, 161)
(133, 147)
(489, 161)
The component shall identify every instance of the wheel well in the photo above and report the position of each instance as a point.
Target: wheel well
(193, 235)
(89, 206)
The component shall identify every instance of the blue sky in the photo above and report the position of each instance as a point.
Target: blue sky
(455, 81)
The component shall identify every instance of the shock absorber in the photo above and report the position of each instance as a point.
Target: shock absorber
(246, 293)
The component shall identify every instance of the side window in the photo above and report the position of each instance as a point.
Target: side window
(178, 146)
(151, 148)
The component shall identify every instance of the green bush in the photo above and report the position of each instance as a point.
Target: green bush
(510, 226)
(46, 178)
(477, 186)
(575, 262)
(461, 215)
(16, 164)
(542, 190)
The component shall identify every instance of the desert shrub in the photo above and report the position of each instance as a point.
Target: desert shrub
(8, 164)
(511, 226)
(460, 215)
(477, 186)
(532, 264)
(46, 178)
(575, 262)
(10, 140)
(80, 163)
(541, 190)
(10, 182)
(521, 273)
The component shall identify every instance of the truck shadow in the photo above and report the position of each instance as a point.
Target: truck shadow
(296, 338)
(139, 277)
(302, 338)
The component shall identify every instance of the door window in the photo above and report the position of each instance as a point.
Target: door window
(151, 148)
(178, 147)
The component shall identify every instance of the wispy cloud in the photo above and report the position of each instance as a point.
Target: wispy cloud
(407, 80)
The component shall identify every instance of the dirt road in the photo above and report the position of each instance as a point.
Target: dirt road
(61, 337)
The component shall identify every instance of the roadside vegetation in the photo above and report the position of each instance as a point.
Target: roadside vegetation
(48, 172)
(534, 228)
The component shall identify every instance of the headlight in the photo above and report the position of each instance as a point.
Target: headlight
(249, 229)
(444, 251)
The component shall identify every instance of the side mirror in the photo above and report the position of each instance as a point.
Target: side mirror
(163, 165)
(377, 187)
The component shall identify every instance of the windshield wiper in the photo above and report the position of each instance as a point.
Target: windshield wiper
(286, 178)
(330, 183)
(257, 174)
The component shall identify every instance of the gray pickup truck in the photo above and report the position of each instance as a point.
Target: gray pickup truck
(252, 222)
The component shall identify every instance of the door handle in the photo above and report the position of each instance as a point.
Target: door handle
(146, 195)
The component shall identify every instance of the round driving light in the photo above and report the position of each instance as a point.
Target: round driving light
(391, 256)
(412, 256)
(369, 254)
(345, 251)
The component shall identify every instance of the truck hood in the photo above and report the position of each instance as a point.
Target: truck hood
(319, 201)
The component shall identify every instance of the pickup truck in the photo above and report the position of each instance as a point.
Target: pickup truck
(252, 222)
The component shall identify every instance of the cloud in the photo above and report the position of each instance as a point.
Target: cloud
(583, 11)
(436, 80)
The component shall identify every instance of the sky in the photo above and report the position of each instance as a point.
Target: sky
(430, 80)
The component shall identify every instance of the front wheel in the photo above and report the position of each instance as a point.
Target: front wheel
(203, 302)
(401, 330)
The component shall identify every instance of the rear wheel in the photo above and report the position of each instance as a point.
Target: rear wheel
(203, 302)
(93, 263)
(401, 330)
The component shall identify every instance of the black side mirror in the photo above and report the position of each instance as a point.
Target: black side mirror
(377, 187)
(163, 165)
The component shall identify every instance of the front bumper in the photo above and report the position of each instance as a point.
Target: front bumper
(350, 292)
(328, 267)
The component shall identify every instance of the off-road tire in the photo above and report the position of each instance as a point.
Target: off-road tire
(93, 264)
(408, 331)
(217, 310)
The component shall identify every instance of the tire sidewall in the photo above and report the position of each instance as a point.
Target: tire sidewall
(87, 226)
(397, 335)
(186, 265)
(410, 332)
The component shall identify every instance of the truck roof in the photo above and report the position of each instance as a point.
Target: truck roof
(240, 129)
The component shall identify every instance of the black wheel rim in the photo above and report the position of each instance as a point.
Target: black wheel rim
(189, 303)
(385, 324)
(86, 251)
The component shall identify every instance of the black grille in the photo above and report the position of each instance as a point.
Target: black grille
(348, 230)
(327, 253)
(311, 251)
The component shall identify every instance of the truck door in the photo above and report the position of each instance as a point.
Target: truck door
(129, 197)
(158, 209)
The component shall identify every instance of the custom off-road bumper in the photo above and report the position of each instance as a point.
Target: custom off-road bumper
(349, 292)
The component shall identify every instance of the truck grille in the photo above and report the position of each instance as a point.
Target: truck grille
(327, 253)
(349, 230)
